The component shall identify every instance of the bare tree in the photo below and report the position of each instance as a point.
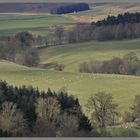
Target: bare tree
(59, 33)
(68, 125)
(104, 111)
(48, 110)
(11, 118)
(42, 129)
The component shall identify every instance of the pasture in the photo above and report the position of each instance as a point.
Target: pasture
(72, 55)
(122, 88)
(83, 86)
(36, 24)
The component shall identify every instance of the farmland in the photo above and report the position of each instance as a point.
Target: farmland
(36, 24)
(72, 55)
(42, 57)
(81, 85)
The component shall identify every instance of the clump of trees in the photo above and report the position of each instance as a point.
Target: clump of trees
(28, 112)
(19, 49)
(121, 18)
(70, 8)
(25, 111)
(134, 113)
(128, 65)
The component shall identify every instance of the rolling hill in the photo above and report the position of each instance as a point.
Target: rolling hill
(99, 11)
(29, 7)
(36, 24)
(72, 55)
(82, 86)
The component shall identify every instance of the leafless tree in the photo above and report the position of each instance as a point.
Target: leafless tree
(11, 118)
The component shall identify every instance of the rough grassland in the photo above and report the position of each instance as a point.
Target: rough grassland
(101, 11)
(123, 88)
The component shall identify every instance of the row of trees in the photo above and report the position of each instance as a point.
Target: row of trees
(128, 65)
(125, 26)
(19, 49)
(22, 48)
(85, 32)
(25, 111)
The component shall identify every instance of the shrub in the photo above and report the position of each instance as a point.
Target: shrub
(59, 67)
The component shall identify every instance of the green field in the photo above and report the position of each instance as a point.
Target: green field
(83, 86)
(115, 131)
(123, 88)
(72, 55)
(36, 24)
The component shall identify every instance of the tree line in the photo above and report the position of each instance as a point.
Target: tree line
(26, 111)
(125, 26)
(129, 64)
(121, 18)
(70, 8)
(85, 32)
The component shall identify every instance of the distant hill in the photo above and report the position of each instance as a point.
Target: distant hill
(30, 7)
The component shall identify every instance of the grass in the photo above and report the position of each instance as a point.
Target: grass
(82, 86)
(72, 55)
(36, 24)
(124, 132)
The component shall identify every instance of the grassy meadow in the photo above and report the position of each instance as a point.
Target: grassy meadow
(81, 85)
(36, 24)
(122, 88)
(72, 55)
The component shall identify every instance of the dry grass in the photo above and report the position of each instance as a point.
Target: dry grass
(100, 12)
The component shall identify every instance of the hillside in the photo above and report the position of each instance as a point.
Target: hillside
(72, 55)
(29, 7)
(102, 74)
(81, 85)
(102, 10)
(36, 19)
(36, 24)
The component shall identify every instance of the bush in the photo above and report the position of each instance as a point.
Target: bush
(59, 67)
(128, 117)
